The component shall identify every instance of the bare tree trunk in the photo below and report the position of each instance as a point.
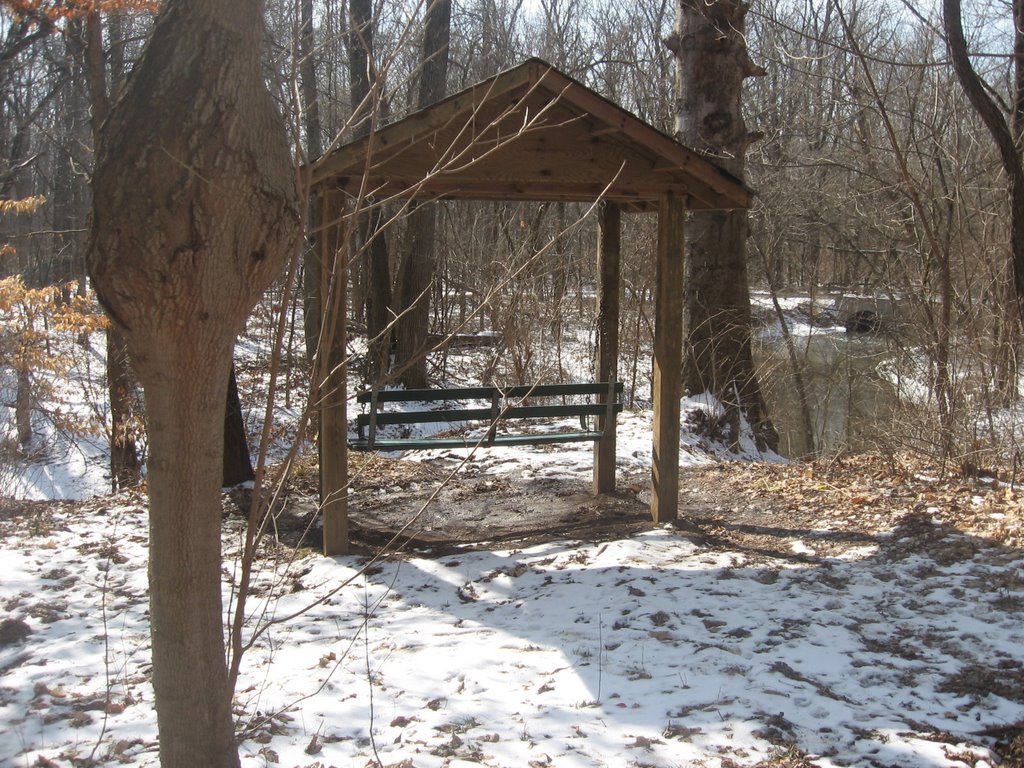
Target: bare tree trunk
(378, 295)
(420, 261)
(711, 64)
(186, 418)
(372, 243)
(23, 407)
(125, 467)
(314, 148)
(60, 271)
(1006, 136)
(194, 211)
(237, 461)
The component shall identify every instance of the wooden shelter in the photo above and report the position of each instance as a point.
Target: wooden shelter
(529, 133)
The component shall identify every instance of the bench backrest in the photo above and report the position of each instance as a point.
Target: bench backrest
(505, 403)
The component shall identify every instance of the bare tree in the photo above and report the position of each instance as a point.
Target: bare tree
(366, 86)
(125, 466)
(712, 62)
(1004, 127)
(418, 265)
(194, 211)
(314, 148)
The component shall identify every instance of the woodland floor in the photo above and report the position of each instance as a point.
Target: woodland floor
(922, 523)
(772, 513)
(803, 512)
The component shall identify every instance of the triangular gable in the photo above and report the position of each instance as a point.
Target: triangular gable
(528, 133)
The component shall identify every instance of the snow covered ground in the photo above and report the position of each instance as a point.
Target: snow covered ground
(646, 651)
(649, 651)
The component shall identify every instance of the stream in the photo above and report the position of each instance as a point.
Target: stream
(850, 403)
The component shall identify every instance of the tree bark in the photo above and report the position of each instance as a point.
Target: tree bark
(372, 243)
(314, 148)
(125, 467)
(195, 210)
(1007, 138)
(420, 261)
(237, 461)
(711, 64)
(23, 406)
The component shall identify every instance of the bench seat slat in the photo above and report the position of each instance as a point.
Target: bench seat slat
(398, 444)
(426, 395)
(558, 411)
(484, 414)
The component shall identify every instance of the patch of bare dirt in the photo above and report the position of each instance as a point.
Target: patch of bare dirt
(426, 510)
(797, 511)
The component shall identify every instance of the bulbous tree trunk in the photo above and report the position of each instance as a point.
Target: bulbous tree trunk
(194, 211)
(711, 64)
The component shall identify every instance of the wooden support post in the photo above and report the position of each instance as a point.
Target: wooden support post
(608, 238)
(668, 359)
(333, 376)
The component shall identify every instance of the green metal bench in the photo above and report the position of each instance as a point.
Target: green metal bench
(519, 404)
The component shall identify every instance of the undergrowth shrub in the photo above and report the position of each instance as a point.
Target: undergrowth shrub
(43, 342)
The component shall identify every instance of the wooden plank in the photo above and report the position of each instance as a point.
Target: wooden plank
(427, 395)
(440, 416)
(333, 376)
(456, 108)
(608, 259)
(538, 190)
(459, 415)
(434, 443)
(484, 393)
(557, 411)
(668, 360)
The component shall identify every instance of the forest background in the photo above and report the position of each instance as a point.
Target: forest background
(873, 173)
(874, 176)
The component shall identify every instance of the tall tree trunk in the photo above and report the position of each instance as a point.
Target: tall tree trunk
(237, 461)
(23, 406)
(1007, 138)
(711, 64)
(59, 271)
(125, 466)
(372, 243)
(194, 211)
(420, 260)
(314, 148)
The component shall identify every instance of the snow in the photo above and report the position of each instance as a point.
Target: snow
(646, 651)
(81, 471)
(69, 457)
(803, 317)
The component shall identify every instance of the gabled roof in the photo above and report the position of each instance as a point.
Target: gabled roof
(528, 133)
